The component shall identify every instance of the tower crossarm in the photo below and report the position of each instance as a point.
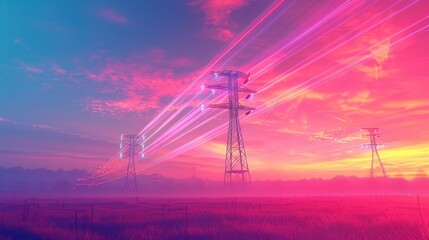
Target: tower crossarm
(245, 89)
(131, 136)
(371, 134)
(224, 86)
(227, 73)
(370, 129)
(227, 106)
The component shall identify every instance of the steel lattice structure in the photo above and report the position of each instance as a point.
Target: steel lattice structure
(372, 134)
(130, 146)
(236, 159)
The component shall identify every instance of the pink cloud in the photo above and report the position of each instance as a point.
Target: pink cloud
(58, 69)
(32, 69)
(114, 107)
(181, 62)
(156, 55)
(5, 120)
(217, 12)
(44, 126)
(50, 160)
(141, 81)
(113, 16)
(217, 33)
(218, 17)
(305, 132)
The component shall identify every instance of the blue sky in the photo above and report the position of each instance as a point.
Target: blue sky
(75, 75)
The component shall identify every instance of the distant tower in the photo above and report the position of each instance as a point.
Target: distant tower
(155, 179)
(130, 146)
(372, 134)
(236, 160)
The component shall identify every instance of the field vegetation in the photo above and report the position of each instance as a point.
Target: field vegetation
(295, 217)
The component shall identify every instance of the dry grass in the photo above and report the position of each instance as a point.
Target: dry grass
(377, 217)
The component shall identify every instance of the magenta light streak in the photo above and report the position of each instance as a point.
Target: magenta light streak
(321, 53)
(215, 132)
(269, 66)
(265, 15)
(183, 123)
(211, 134)
(392, 44)
(285, 56)
(211, 65)
(319, 23)
(173, 130)
(308, 31)
(254, 36)
(177, 112)
(171, 118)
(201, 123)
(214, 62)
(190, 145)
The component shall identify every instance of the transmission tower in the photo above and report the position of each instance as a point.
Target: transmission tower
(130, 146)
(235, 161)
(372, 134)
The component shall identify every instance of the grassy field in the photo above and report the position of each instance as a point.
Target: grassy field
(314, 217)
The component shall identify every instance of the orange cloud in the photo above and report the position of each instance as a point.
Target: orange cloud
(407, 104)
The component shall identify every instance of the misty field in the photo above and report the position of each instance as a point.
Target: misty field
(302, 217)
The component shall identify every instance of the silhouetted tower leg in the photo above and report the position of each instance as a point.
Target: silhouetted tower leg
(372, 134)
(235, 160)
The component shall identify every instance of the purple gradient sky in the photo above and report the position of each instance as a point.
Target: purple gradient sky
(76, 75)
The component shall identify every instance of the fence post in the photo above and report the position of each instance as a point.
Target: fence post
(75, 220)
(92, 220)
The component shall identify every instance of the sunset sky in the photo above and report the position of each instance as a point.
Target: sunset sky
(75, 75)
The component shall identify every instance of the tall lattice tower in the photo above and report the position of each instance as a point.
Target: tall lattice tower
(130, 146)
(236, 160)
(373, 133)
